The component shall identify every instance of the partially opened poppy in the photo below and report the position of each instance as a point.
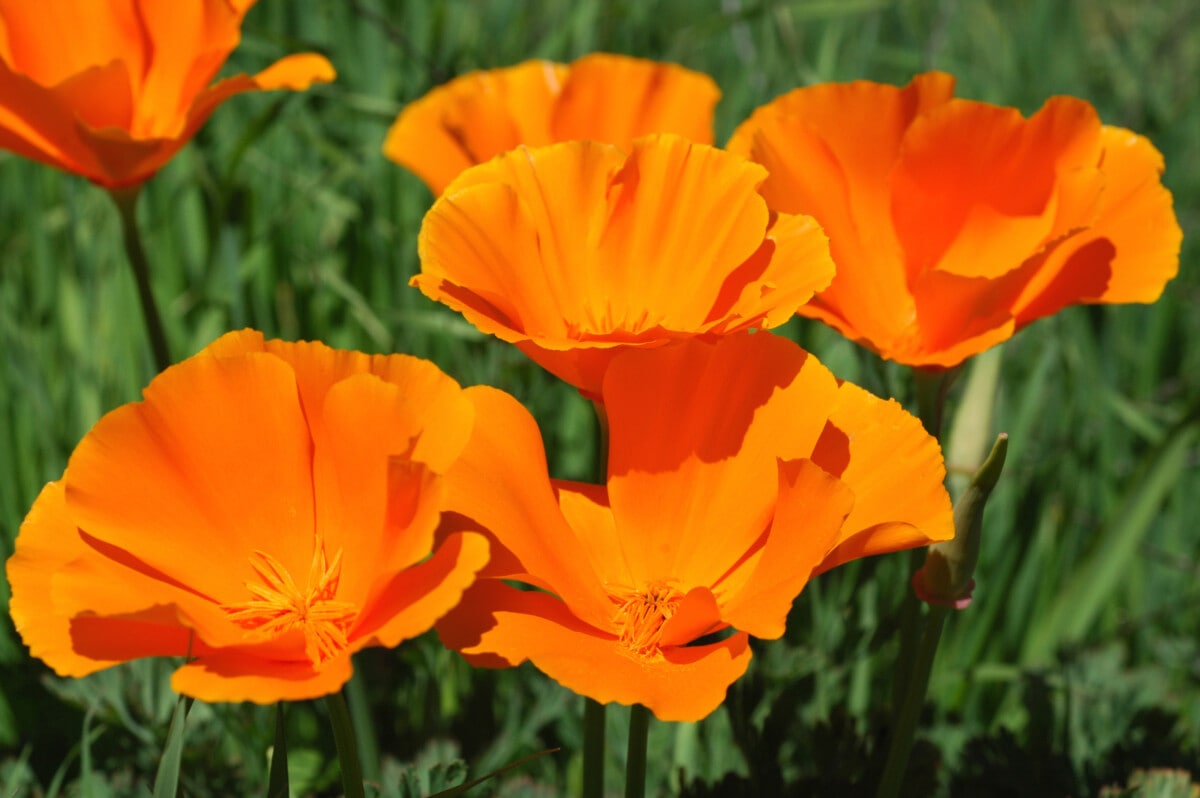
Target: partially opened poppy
(738, 469)
(112, 90)
(955, 223)
(577, 251)
(599, 97)
(267, 510)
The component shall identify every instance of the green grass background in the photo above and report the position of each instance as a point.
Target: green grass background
(1078, 661)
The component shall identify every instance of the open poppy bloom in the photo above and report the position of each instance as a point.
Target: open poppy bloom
(737, 470)
(267, 510)
(112, 90)
(577, 251)
(955, 223)
(599, 97)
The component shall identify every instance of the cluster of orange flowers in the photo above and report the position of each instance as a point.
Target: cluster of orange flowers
(270, 508)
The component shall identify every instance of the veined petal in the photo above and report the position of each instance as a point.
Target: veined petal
(473, 118)
(578, 246)
(616, 99)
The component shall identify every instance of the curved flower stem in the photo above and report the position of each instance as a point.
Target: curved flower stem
(905, 726)
(347, 746)
(593, 748)
(126, 202)
(635, 761)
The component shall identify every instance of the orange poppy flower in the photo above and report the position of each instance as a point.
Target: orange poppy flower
(267, 510)
(955, 223)
(738, 469)
(112, 90)
(576, 251)
(600, 97)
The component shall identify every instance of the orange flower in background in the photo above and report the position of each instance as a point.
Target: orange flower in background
(955, 223)
(600, 97)
(112, 90)
(738, 469)
(577, 251)
(267, 510)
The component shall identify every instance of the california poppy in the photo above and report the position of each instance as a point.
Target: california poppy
(112, 90)
(267, 510)
(738, 469)
(600, 97)
(576, 251)
(955, 223)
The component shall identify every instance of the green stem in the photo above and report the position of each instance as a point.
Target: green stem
(277, 783)
(932, 387)
(364, 728)
(635, 761)
(905, 727)
(593, 711)
(347, 746)
(126, 202)
(910, 633)
(593, 748)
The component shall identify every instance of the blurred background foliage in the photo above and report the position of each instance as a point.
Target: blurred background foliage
(1075, 672)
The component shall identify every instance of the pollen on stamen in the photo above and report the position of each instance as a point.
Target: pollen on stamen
(641, 614)
(280, 605)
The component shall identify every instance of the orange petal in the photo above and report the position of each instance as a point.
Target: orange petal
(505, 625)
(1132, 248)
(47, 541)
(841, 179)
(502, 484)
(32, 37)
(374, 498)
(809, 516)
(616, 99)
(974, 192)
(214, 464)
(696, 616)
(576, 246)
(696, 429)
(473, 118)
(419, 596)
(237, 676)
(896, 471)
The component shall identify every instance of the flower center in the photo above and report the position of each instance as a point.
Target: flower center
(641, 614)
(280, 605)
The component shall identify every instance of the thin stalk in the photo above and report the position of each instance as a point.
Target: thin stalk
(347, 746)
(931, 390)
(593, 748)
(126, 201)
(593, 711)
(277, 782)
(635, 760)
(905, 727)
(364, 728)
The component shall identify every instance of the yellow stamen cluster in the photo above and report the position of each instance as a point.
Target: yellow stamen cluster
(280, 605)
(641, 614)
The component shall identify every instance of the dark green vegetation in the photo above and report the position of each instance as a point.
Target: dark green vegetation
(1079, 660)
